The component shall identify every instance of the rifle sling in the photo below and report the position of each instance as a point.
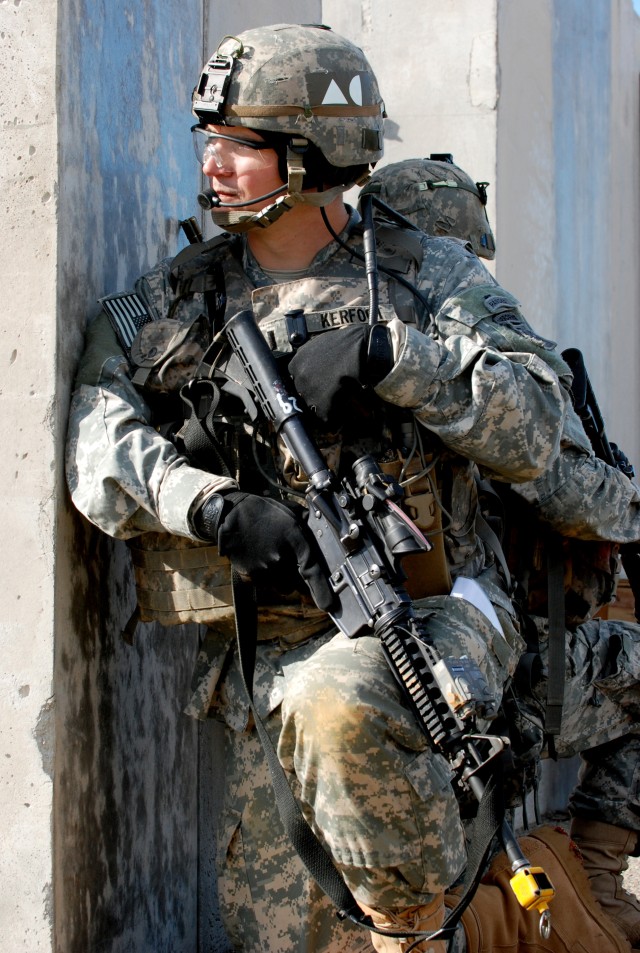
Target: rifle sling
(311, 852)
(557, 648)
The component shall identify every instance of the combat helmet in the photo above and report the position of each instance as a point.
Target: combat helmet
(303, 81)
(439, 198)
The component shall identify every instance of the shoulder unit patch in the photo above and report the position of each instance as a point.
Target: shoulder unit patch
(517, 323)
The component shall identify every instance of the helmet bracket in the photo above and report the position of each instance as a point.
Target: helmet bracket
(213, 86)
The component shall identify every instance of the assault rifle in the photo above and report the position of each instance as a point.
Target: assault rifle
(586, 406)
(362, 534)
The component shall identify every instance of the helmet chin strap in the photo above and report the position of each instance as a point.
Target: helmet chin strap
(239, 221)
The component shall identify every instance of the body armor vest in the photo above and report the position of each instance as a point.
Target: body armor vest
(178, 313)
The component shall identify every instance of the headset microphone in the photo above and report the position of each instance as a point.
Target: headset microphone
(209, 199)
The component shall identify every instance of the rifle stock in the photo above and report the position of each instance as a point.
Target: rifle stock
(586, 406)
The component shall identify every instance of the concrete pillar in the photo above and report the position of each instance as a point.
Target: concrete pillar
(126, 785)
(28, 477)
(99, 767)
(567, 226)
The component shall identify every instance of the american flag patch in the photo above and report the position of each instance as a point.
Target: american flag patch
(128, 314)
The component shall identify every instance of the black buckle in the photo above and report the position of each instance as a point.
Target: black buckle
(297, 331)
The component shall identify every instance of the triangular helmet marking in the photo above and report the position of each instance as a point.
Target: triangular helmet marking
(334, 96)
(355, 90)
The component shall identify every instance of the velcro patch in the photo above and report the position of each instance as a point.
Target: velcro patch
(128, 314)
(516, 322)
(496, 303)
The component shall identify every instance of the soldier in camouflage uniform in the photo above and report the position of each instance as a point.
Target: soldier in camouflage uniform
(584, 499)
(289, 118)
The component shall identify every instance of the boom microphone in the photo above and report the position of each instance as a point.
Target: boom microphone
(209, 199)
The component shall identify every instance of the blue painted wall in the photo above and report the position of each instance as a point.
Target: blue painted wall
(126, 774)
(581, 130)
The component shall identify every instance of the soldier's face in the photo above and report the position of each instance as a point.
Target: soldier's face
(239, 173)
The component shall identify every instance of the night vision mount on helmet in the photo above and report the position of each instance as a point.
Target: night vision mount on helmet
(303, 81)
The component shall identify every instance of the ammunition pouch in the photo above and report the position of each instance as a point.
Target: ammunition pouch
(180, 580)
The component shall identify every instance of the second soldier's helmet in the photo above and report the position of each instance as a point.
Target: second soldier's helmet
(439, 198)
(302, 80)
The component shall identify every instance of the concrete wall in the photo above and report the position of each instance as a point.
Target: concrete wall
(107, 792)
(437, 69)
(568, 222)
(27, 475)
(99, 780)
(126, 779)
(621, 315)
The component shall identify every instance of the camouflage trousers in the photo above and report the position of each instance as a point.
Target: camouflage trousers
(375, 794)
(601, 718)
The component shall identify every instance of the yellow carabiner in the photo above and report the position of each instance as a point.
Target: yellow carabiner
(534, 891)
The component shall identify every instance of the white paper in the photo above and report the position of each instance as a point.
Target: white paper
(473, 592)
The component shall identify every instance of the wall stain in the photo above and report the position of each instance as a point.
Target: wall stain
(44, 734)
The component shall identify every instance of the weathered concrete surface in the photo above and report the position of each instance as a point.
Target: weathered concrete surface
(28, 178)
(568, 229)
(126, 775)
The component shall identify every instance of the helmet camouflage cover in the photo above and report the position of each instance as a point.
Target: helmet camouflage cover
(439, 198)
(304, 80)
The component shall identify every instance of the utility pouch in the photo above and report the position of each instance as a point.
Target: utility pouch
(427, 573)
(167, 353)
(180, 580)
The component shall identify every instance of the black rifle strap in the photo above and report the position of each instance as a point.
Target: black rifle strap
(490, 538)
(485, 827)
(200, 398)
(557, 649)
(311, 852)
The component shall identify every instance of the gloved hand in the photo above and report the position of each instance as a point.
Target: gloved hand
(622, 461)
(265, 541)
(333, 366)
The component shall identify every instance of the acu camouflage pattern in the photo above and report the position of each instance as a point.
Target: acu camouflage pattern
(578, 495)
(267, 899)
(369, 786)
(167, 356)
(503, 410)
(458, 386)
(303, 80)
(438, 197)
(337, 295)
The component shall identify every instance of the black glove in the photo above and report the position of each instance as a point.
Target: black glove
(622, 461)
(334, 366)
(265, 541)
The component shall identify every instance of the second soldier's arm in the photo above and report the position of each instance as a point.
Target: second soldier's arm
(581, 495)
(487, 394)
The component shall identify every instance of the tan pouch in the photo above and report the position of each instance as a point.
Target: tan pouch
(180, 580)
(427, 573)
